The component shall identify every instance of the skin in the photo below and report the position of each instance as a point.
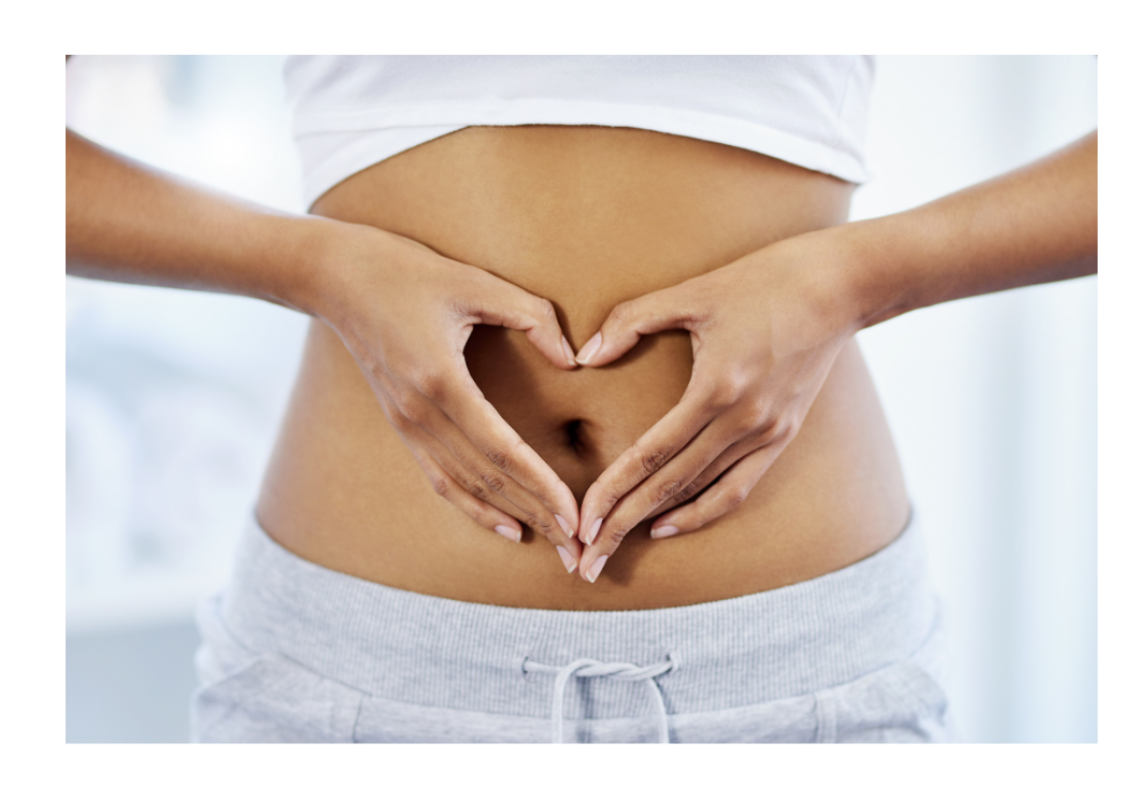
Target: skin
(420, 306)
(758, 366)
(130, 224)
(587, 218)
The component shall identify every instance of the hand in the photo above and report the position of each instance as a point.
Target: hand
(765, 331)
(405, 313)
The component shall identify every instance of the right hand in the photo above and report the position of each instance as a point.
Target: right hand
(405, 313)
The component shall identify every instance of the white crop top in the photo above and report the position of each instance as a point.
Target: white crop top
(353, 111)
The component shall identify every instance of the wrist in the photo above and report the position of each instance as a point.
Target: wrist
(832, 278)
(872, 267)
(318, 255)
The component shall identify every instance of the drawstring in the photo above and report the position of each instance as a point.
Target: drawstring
(592, 668)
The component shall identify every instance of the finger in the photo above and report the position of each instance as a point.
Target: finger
(446, 405)
(723, 496)
(628, 321)
(503, 493)
(485, 514)
(463, 405)
(660, 487)
(427, 449)
(708, 475)
(654, 449)
(497, 461)
(481, 512)
(501, 303)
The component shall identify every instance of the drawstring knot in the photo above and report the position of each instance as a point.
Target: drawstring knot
(592, 668)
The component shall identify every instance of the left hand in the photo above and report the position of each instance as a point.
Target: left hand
(765, 330)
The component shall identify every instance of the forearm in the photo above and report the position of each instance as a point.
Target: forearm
(131, 224)
(1034, 225)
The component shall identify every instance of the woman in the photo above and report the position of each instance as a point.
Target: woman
(474, 219)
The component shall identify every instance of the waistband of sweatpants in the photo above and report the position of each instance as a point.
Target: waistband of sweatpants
(431, 651)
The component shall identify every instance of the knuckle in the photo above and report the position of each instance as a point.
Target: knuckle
(757, 413)
(654, 459)
(725, 394)
(407, 401)
(736, 496)
(540, 523)
(666, 490)
(494, 481)
(477, 488)
(773, 430)
(499, 458)
(373, 365)
(418, 414)
(762, 437)
(545, 309)
(689, 491)
(601, 495)
(412, 405)
(750, 424)
(433, 385)
(607, 499)
(441, 485)
(399, 420)
(621, 314)
(617, 535)
(786, 430)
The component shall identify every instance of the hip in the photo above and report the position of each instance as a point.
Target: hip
(295, 652)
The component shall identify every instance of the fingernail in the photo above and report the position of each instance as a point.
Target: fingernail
(568, 351)
(590, 349)
(595, 570)
(508, 532)
(663, 531)
(594, 531)
(564, 525)
(566, 559)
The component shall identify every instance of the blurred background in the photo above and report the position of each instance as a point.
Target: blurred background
(173, 398)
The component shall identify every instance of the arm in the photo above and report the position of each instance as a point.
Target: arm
(1034, 225)
(767, 328)
(130, 224)
(404, 311)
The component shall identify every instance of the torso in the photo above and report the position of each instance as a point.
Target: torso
(586, 217)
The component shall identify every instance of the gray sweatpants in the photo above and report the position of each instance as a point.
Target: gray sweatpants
(296, 652)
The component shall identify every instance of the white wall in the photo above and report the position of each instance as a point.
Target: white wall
(173, 397)
(993, 400)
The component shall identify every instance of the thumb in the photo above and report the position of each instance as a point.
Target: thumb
(627, 322)
(501, 303)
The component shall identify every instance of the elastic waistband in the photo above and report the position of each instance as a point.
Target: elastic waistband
(431, 651)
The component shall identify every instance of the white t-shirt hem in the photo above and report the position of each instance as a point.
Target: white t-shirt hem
(398, 128)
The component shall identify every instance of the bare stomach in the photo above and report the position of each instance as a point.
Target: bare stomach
(586, 217)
